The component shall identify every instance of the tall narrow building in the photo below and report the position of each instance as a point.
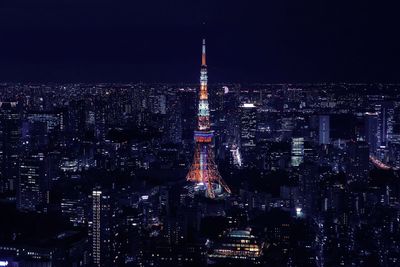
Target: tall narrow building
(204, 170)
(32, 193)
(10, 135)
(100, 229)
(371, 131)
(96, 227)
(324, 130)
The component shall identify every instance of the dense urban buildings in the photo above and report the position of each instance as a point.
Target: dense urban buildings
(95, 175)
(109, 174)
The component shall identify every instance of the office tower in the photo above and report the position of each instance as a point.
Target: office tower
(385, 112)
(188, 112)
(100, 228)
(297, 151)
(100, 121)
(371, 131)
(396, 125)
(174, 129)
(248, 126)
(53, 120)
(32, 192)
(204, 170)
(394, 154)
(10, 131)
(77, 118)
(324, 130)
(37, 137)
(358, 165)
(73, 207)
(158, 104)
(236, 156)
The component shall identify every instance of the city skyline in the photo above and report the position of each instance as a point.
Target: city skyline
(203, 134)
(95, 174)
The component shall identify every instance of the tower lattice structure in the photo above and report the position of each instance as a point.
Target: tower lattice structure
(203, 169)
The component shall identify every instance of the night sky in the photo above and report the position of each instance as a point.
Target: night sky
(160, 41)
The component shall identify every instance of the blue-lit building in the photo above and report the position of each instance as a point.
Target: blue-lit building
(324, 129)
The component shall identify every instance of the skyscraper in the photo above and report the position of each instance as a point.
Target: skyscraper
(371, 131)
(10, 132)
(96, 225)
(248, 125)
(248, 129)
(297, 151)
(32, 184)
(358, 165)
(385, 112)
(204, 170)
(324, 130)
(100, 228)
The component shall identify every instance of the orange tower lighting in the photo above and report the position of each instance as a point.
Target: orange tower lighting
(203, 169)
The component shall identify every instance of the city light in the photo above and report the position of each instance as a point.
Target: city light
(127, 140)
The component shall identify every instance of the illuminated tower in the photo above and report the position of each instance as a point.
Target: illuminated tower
(100, 228)
(204, 170)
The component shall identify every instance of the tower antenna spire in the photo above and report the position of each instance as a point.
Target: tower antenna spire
(203, 54)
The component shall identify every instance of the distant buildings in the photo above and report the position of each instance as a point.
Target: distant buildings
(93, 174)
(297, 151)
(236, 246)
(324, 130)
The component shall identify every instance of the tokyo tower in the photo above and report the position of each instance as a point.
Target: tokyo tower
(203, 170)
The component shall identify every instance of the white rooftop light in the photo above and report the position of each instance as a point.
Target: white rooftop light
(248, 105)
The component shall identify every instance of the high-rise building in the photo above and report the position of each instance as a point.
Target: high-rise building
(394, 154)
(73, 207)
(174, 120)
(248, 125)
(204, 169)
(158, 104)
(53, 120)
(396, 125)
(324, 130)
(96, 227)
(371, 131)
(248, 129)
(385, 112)
(358, 165)
(32, 191)
(297, 151)
(100, 228)
(77, 118)
(10, 133)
